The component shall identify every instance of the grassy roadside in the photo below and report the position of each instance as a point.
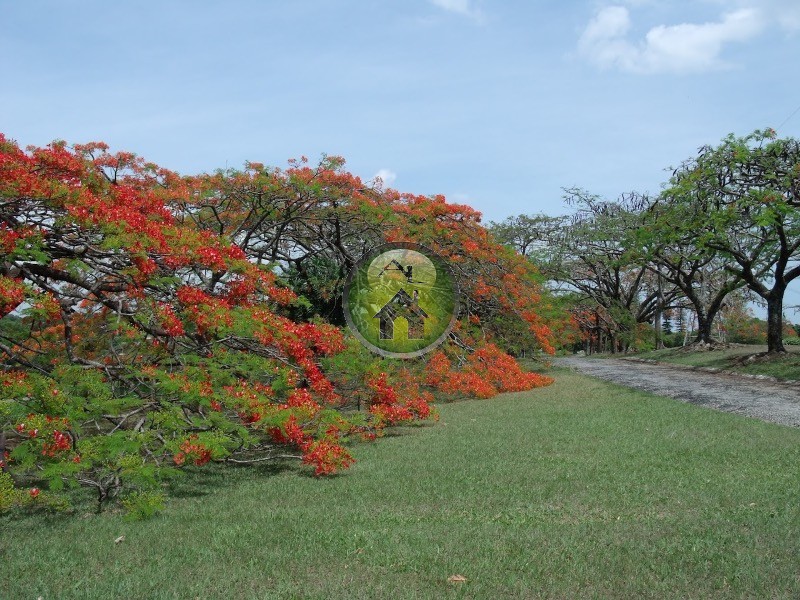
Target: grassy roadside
(733, 359)
(582, 489)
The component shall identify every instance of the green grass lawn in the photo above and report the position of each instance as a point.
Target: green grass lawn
(583, 489)
(782, 367)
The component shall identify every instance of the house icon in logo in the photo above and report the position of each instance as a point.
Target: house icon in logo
(402, 305)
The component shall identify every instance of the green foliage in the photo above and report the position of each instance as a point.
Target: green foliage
(318, 283)
(13, 327)
(143, 505)
(673, 340)
(9, 495)
(34, 499)
(533, 236)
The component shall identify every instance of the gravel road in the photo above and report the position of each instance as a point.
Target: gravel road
(764, 400)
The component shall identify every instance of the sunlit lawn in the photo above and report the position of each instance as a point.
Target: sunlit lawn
(583, 489)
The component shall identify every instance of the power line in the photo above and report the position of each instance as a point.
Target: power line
(786, 120)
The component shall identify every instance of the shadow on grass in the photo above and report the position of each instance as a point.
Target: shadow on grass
(80, 502)
(202, 481)
(538, 366)
(44, 518)
(404, 430)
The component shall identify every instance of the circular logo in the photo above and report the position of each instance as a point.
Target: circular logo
(401, 300)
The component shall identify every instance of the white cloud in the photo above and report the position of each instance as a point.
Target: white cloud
(461, 7)
(386, 176)
(683, 48)
(786, 13)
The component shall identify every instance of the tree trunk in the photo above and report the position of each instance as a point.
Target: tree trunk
(659, 320)
(703, 329)
(658, 328)
(687, 328)
(775, 322)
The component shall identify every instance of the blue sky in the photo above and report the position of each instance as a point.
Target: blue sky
(495, 103)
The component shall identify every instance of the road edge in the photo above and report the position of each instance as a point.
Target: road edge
(787, 382)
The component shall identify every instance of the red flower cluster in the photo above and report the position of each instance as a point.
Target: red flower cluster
(326, 457)
(290, 434)
(12, 294)
(488, 372)
(48, 431)
(386, 404)
(211, 258)
(300, 342)
(60, 443)
(205, 311)
(145, 268)
(169, 321)
(10, 237)
(281, 295)
(13, 378)
(240, 291)
(383, 393)
(191, 296)
(192, 450)
(301, 398)
(251, 399)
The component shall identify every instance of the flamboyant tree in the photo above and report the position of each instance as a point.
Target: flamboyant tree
(149, 319)
(314, 223)
(150, 343)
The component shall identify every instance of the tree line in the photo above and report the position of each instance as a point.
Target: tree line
(726, 223)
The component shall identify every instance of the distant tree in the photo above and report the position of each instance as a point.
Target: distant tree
(532, 236)
(739, 324)
(667, 238)
(595, 259)
(666, 325)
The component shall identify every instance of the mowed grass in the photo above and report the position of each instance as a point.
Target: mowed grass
(785, 366)
(583, 489)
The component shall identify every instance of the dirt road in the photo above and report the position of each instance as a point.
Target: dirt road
(764, 400)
